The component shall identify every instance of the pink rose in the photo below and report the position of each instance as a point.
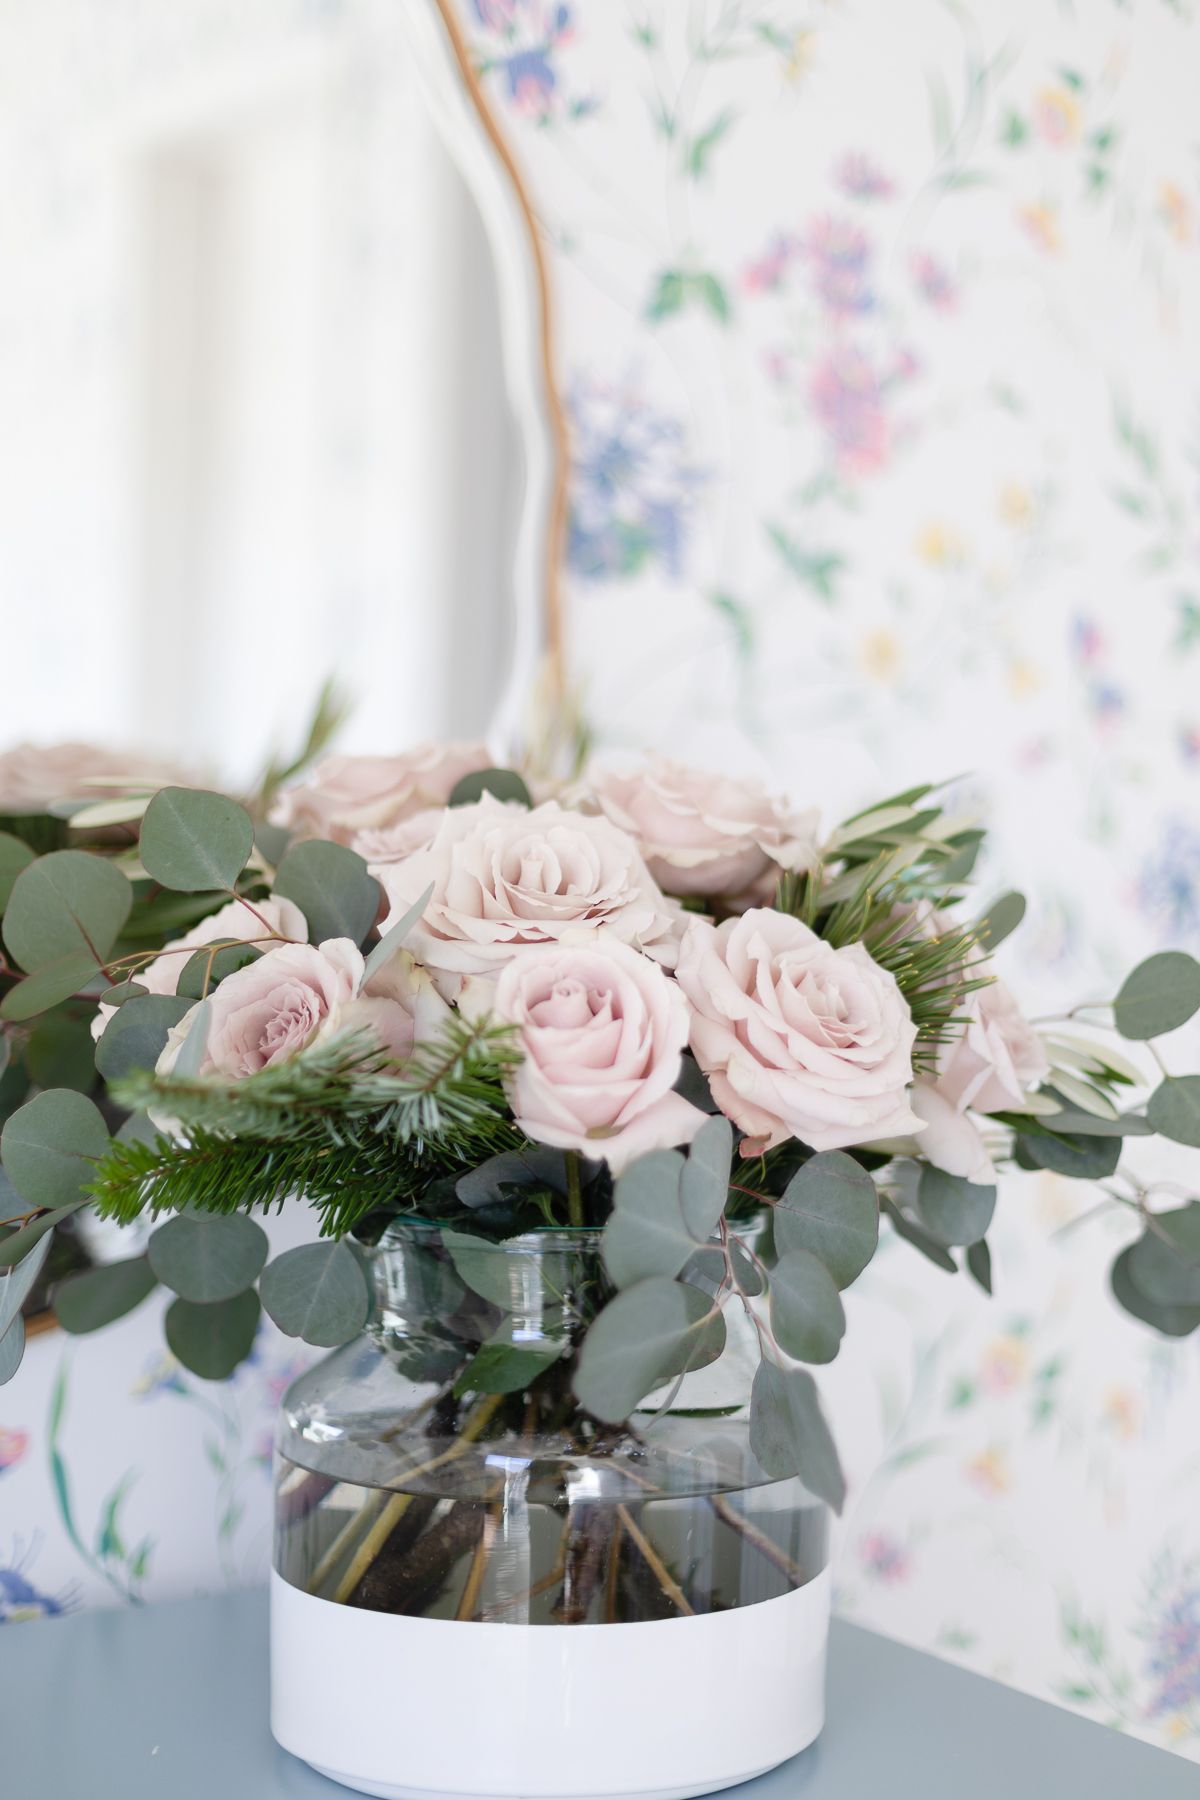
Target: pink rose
(33, 776)
(348, 794)
(236, 922)
(951, 1140)
(602, 1030)
(380, 845)
(277, 1006)
(798, 1039)
(505, 877)
(706, 834)
(998, 1058)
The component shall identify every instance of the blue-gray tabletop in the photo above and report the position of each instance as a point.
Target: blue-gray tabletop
(170, 1703)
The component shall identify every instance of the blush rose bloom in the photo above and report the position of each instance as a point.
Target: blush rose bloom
(505, 877)
(33, 776)
(798, 1039)
(704, 834)
(998, 1058)
(275, 1007)
(602, 1030)
(236, 922)
(380, 845)
(348, 794)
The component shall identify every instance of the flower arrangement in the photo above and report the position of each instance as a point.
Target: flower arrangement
(654, 1004)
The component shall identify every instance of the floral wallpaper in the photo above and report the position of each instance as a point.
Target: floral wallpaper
(886, 460)
(886, 436)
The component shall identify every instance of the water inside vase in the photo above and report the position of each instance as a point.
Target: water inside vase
(519, 1544)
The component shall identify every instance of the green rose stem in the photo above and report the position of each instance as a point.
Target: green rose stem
(574, 1189)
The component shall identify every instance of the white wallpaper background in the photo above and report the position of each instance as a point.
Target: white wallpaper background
(873, 322)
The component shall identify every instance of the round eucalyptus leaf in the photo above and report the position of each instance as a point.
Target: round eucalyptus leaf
(979, 1264)
(51, 1145)
(1174, 1109)
(12, 1349)
(15, 855)
(831, 1208)
(1000, 920)
(136, 1035)
(952, 1209)
(1087, 1158)
(807, 1316)
(18, 1244)
(123, 991)
(789, 1434)
(193, 841)
(51, 985)
(317, 1292)
(17, 1285)
(102, 1295)
(211, 1340)
(60, 1053)
(203, 971)
(1172, 1321)
(332, 887)
(1161, 994)
(704, 1183)
(502, 784)
(646, 1234)
(647, 1335)
(1164, 1264)
(63, 904)
(208, 1256)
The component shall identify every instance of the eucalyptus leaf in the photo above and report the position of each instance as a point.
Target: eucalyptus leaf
(99, 1296)
(704, 1182)
(1164, 1264)
(807, 1316)
(17, 1285)
(649, 1333)
(60, 1053)
(332, 887)
(1173, 1109)
(212, 1340)
(51, 1145)
(15, 855)
(502, 1366)
(317, 1292)
(952, 1209)
(12, 1348)
(204, 970)
(1161, 994)
(18, 1244)
(1085, 1157)
(789, 1434)
(393, 938)
(537, 1166)
(123, 991)
(208, 1256)
(136, 1035)
(830, 1207)
(646, 1234)
(65, 904)
(979, 1264)
(193, 841)
(191, 1051)
(1172, 1321)
(51, 985)
(490, 1271)
(1000, 920)
(920, 1240)
(502, 784)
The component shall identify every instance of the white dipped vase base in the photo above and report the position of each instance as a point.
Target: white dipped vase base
(443, 1709)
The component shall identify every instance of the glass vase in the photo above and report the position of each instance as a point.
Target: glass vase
(479, 1589)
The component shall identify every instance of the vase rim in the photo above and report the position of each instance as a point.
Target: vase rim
(541, 1237)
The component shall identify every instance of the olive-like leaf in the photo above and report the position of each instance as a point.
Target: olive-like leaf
(831, 1208)
(1173, 1109)
(789, 1434)
(66, 904)
(211, 1340)
(332, 887)
(807, 1315)
(51, 1145)
(952, 1209)
(136, 1035)
(649, 1333)
(502, 1366)
(704, 1183)
(193, 841)
(1161, 994)
(208, 1256)
(317, 1292)
(101, 1295)
(393, 938)
(1000, 920)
